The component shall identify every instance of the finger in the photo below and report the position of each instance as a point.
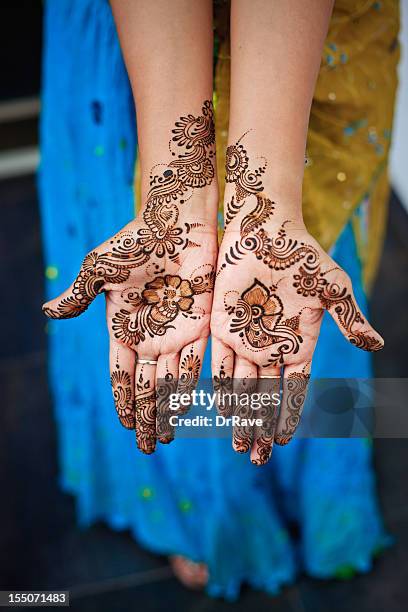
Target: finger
(166, 385)
(191, 359)
(222, 366)
(338, 298)
(268, 388)
(145, 407)
(294, 389)
(76, 299)
(122, 368)
(245, 379)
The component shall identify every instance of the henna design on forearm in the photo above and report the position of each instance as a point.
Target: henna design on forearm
(246, 182)
(192, 168)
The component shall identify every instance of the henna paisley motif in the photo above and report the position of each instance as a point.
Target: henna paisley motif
(193, 169)
(263, 210)
(281, 252)
(247, 182)
(127, 328)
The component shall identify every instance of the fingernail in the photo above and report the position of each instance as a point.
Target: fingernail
(166, 440)
(127, 423)
(283, 440)
(146, 445)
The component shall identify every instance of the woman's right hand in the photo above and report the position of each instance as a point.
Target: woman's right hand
(158, 301)
(157, 274)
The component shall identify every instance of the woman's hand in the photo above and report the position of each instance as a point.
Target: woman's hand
(273, 284)
(157, 274)
(157, 308)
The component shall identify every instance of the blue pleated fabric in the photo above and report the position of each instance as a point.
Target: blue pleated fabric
(195, 497)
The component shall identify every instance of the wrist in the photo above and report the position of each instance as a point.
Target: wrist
(278, 208)
(201, 206)
(250, 178)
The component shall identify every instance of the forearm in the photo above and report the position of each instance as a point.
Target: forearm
(167, 47)
(276, 52)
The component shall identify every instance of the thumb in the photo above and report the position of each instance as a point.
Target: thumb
(76, 299)
(338, 298)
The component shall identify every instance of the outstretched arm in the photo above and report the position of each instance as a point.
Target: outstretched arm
(157, 272)
(274, 281)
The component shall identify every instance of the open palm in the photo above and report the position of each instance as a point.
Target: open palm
(157, 310)
(157, 274)
(273, 284)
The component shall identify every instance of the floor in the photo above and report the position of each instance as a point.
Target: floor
(40, 545)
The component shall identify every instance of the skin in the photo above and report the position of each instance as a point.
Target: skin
(276, 52)
(170, 248)
(161, 85)
(167, 47)
(273, 283)
(157, 274)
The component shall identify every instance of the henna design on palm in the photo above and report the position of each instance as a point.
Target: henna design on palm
(191, 170)
(257, 316)
(273, 284)
(156, 272)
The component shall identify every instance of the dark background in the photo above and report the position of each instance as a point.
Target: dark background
(40, 545)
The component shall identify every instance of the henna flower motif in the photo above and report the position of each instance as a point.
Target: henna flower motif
(236, 161)
(191, 131)
(257, 313)
(309, 283)
(222, 383)
(168, 295)
(161, 241)
(197, 174)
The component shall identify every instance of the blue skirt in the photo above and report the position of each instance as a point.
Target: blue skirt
(195, 497)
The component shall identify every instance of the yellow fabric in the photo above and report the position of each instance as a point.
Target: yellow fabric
(350, 123)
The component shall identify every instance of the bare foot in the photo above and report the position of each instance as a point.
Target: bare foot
(192, 575)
